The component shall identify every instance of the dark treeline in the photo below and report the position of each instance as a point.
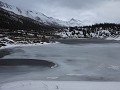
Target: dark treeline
(101, 26)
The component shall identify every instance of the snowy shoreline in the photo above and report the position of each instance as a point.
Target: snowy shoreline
(64, 41)
(87, 41)
(60, 85)
(25, 45)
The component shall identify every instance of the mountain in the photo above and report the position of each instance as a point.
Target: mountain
(74, 22)
(40, 17)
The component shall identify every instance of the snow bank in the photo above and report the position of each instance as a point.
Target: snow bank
(60, 85)
(118, 38)
(113, 38)
(110, 38)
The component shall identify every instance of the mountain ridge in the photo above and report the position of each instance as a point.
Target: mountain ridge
(40, 17)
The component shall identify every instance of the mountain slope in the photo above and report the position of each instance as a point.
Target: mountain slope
(10, 20)
(40, 17)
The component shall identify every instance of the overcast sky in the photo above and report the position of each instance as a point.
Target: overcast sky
(84, 10)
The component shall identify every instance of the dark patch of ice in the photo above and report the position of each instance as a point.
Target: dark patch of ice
(26, 62)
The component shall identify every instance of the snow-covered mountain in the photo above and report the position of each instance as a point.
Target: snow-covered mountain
(74, 22)
(40, 17)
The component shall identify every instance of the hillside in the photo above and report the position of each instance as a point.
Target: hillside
(101, 31)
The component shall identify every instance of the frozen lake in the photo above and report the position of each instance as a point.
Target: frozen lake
(76, 62)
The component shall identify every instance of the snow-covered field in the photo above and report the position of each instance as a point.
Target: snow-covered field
(63, 85)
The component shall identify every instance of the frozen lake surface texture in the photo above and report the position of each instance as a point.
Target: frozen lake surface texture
(71, 62)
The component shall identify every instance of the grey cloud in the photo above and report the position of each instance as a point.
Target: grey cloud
(80, 4)
(74, 4)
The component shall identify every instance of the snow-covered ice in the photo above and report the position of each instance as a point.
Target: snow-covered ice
(84, 62)
(80, 67)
